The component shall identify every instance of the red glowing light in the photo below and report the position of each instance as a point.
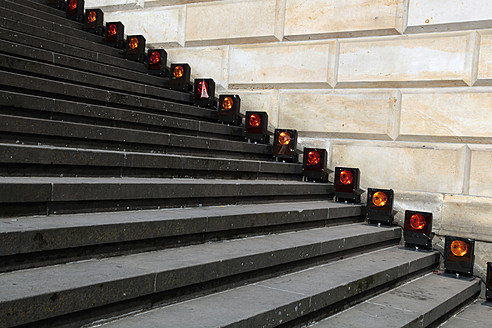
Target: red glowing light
(418, 222)
(72, 4)
(313, 157)
(113, 29)
(155, 57)
(346, 177)
(254, 120)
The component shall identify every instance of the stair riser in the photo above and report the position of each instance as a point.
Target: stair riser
(101, 294)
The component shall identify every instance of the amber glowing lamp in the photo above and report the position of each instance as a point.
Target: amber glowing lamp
(179, 77)
(256, 127)
(75, 10)
(314, 164)
(115, 34)
(417, 229)
(94, 21)
(228, 109)
(204, 93)
(347, 182)
(379, 207)
(459, 255)
(135, 48)
(157, 62)
(284, 145)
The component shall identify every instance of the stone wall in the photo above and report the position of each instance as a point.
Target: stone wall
(401, 89)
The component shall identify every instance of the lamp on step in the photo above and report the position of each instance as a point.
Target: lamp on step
(379, 208)
(347, 180)
(157, 62)
(204, 93)
(314, 164)
(135, 48)
(75, 10)
(179, 77)
(94, 21)
(417, 229)
(115, 34)
(285, 144)
(228, 109)
(459, 255)
(256, 127)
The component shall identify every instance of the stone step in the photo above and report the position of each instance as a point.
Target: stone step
(34, 131)
(24, 105)
(58, 195)
(422, 302)
(476, 315)
(36, 241)
(35, 160)
(62, 90)
(42, 6)
(73, 288)
(289, 299)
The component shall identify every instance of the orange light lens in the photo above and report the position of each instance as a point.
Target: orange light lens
(155, 57)
(379, 199)
(91, 17)
(72, 4)
(313, 158)
(254, 120)
(201, 85)
(178, 72)
(113, 29)
(346, 177)
(227, 103)
(284, 138)
(459, 248)
(133, 44)
(417, 221)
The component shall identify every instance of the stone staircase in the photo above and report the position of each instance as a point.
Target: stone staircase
(123, 205)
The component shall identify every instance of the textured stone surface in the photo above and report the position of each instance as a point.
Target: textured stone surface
(457, 115)
(404, 166)
(467, 216)
(418, 201)
(316, 19)
(227, 22)
(114, 4)
(476, 315)
(428, 60)
(293, 65)
(484, 64)
(169, 20)
(446, 15)
(206, 62)
(480, 173)
(339, 114)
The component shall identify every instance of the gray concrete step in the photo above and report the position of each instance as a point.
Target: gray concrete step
(287, 299)
(422, 302)
(35, 131)
(79, 286)
(476, 315)
(36, 160)
(18, 104)
(36, 241)
(42, 6)
(57, 195)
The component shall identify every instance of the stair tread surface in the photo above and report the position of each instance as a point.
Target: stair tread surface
(476, 315)
(417, 303)
(278, 300)
(74, 284)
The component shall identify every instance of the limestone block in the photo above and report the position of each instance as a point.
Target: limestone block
(207, 62)
(482, 256)
(309, 142)
(316, 19)
(467, 216)
(484, 61)
(161, 3)
(419, 201)
(458, 115)
(480, 172)
(162, 27)
(404, 166)
(407, 61)
(448, 15)
(339, 114)
(111, 5)
(232, 22)
(263, 101)
(290, 65)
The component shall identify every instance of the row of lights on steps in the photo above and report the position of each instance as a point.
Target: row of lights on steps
(458, 252)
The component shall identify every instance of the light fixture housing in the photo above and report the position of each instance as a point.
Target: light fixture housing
(228, 109)
(115, 34)
(379, 207)
(347, 181)
(417, 229)
(94, 21)
(179, 77)
(135, 48)
(58, 4)
(75, 10)
(256, 127)
(314, 164)
(157, 62)
(459, 255)
(285, 144)
(488, 283)
(204, 93)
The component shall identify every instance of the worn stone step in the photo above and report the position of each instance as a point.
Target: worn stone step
(50, 88)
(76, 76)
(287, 299)
(35, 241)
(35, 160)
(18, 104)
(57, 195)
(85, 285)
(42, 6)
(476, 315)
(34, 131)
(18, 12)
(422, 302)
